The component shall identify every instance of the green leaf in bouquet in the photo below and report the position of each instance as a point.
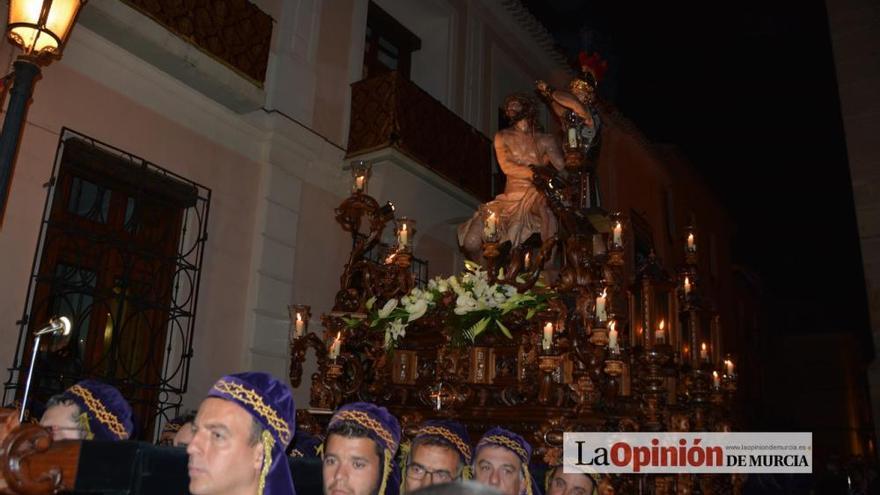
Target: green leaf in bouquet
(503, 329)
(531, 313)
(480, 326)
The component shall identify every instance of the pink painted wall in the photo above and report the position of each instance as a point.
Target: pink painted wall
(65, 97)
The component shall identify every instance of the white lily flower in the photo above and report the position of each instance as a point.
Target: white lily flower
(388, 308)
(417, 309)
(464, 304)
(396, 329)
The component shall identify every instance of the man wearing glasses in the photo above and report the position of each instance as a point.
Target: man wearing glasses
(440, 453)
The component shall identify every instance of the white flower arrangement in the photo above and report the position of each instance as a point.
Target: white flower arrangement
(478, 305)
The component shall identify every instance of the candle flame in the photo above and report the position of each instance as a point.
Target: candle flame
(527, 260)
(299, 317)
(662, 324)
(403, 229)
(604, 292)
(548, 326)
(687, 281)
(715, 375)
(617, 226)
(338, 337)
(612, 325)
(703, 347)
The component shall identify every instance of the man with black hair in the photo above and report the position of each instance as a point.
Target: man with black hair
(439, 453)
(358, 454)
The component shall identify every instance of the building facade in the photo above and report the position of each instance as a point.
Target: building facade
(255, 131)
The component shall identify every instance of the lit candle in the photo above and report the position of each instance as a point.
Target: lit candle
(527, 261)
(687, 286)
(692, 247)
(601, 315)
(716, 380)
(300, 325)
(491, 225)
(685, 352)
(334, 349)
(359, 183)
(572, 137)
(618, 234)
(704, 352)
(547, 341)
(403, 237)
(729, 364)
(660, 334)
(612, 337)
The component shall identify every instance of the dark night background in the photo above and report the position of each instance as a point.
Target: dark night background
(747, 92)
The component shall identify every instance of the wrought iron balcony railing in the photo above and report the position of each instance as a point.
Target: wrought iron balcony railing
(237, 34)
(388, 110)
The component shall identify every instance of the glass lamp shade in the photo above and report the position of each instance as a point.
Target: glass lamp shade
(491, 225)
(615, 239)
(41, 27)
(406, 231)
(690, 240)
(360, 175)
(300, 314)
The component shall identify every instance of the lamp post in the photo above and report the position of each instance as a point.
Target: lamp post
(40, 28)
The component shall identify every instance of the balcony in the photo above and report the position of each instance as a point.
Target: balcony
(389, 111)
(220, 49)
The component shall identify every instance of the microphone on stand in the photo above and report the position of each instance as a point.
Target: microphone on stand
(57, 325)
(60, 324)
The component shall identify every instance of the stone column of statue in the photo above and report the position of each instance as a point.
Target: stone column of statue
(521, 210)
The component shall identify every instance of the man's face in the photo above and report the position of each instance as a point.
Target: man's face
(570, 484)
(514, 109)
(585, 95)
(167, 438)
(351, 466)
(499, 467)
(184, 435)
(431, 464)
(221, 457)
(61, 420)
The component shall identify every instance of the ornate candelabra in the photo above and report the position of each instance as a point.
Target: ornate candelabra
(603, 353)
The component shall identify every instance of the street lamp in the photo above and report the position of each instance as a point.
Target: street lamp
(40, 28)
